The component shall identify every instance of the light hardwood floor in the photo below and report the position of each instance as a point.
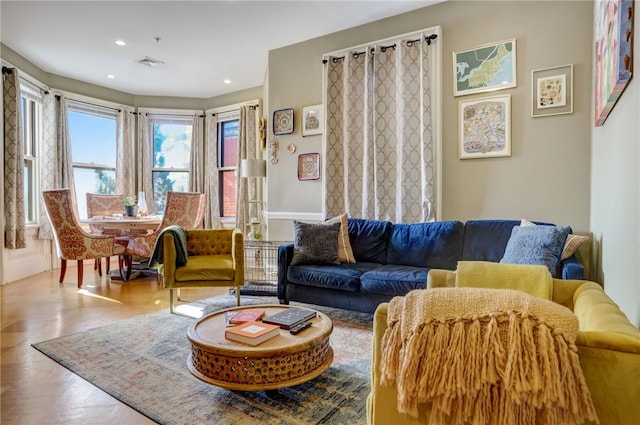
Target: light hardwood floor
(35, 389)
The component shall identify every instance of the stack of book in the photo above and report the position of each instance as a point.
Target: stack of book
(252, 333)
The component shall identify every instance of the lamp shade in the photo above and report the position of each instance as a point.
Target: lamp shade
(253, 168)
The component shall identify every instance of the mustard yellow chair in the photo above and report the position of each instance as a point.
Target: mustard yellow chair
(608, 348)
(216, 258)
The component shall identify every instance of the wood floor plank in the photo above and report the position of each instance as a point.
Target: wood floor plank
(35, 389)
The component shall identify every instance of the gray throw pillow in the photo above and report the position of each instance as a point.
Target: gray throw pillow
(315, 243)
(536, 245)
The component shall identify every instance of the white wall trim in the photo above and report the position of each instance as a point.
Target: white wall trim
(290, 215)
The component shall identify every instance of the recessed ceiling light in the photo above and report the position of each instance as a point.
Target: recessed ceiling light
(227, 81)
(121, 42)
(111, 76)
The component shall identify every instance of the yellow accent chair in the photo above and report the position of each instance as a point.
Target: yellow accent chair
(216, 258)
(72, 242)
(608, 347)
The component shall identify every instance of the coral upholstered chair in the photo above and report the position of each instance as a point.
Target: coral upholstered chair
(72, 242)
(102, 205)
(184, 209)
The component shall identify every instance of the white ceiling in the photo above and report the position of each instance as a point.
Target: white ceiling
(201, 43)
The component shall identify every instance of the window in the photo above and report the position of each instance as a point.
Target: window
(227, 165)
(171, 158)
(30, 109)
(93, 149)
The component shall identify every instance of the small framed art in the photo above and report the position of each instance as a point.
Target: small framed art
(312, 121)
(309, 166)
(552, 91)
(485, 68)
(485, 127)
(283, 121)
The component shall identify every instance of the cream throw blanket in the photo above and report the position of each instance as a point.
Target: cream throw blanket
(485, 356)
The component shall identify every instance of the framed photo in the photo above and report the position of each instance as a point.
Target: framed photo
(613, 54)
(283, 121)
(312, 120)
(485, 68)
(309, 166)
(485, 127)
(552, 91)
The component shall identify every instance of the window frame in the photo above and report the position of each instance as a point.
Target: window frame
(221, 169)
(31, 122)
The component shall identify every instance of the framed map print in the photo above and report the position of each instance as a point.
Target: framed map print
(283, 121)
(552, 91)
(485, 127)
(309, 166)
(485, 68)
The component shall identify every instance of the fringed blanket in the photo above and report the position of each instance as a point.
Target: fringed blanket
(485, 356)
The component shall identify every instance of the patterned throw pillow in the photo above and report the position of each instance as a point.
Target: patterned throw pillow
(315, 243)
(345, 253)
(570, 246)
(536, 245)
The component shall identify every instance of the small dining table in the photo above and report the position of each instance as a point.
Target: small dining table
(131, 226)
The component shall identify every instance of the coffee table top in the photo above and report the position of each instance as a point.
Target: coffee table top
(281, 361)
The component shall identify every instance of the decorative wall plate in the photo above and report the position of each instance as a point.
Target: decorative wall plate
(309, 166)
(283, 121)
(291, 148)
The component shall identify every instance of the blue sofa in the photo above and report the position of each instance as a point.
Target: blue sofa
(393, 259)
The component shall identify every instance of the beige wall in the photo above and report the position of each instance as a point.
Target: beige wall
(547, 176)
(615, 196)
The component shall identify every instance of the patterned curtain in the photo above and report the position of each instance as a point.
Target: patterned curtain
(211, 181)
(64, 162)
(145, 160)
(14, 214)
(196, 164)
(48, 155)
(379, 129)
(247, 149)
(125, 154)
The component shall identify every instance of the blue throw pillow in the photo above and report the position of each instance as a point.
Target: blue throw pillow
(536, 245)
(315, 243)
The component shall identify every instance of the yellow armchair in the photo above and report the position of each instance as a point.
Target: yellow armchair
(216, 258)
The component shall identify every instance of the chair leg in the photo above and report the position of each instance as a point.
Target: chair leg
(95, 263)
(107, 264)
(100, 267)
(171, 300)
(63, 269)
(79, 273)
(237, 295)
(124, 263)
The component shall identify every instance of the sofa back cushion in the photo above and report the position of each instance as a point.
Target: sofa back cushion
(434, 245)
(486, 240)
(369, 239)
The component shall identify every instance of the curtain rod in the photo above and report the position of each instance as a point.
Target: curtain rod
(410, 43)
(213, 114)
(90, 104)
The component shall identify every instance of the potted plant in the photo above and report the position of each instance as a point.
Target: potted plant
(130, 206)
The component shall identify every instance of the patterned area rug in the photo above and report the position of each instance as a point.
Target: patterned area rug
(142, 362)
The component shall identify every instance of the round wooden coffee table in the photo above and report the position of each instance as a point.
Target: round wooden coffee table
(282, 361)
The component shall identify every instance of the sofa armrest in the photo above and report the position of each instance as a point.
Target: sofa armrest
(168, 267)
(237, 254)
(285, 255)
(572, 269)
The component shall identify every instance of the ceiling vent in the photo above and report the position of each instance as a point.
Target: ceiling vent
(150, 62)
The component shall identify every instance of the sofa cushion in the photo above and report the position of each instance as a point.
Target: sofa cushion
(345, 253)
(536, 245)
(435, 245)
(571, 245)
(485, 240)
(394, 280)
(345, 277)
(315, 243)
(369, 239)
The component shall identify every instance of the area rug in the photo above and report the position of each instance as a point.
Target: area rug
(143, 362)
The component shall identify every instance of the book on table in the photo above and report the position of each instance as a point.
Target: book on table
(248, 315)
(252, 333)
(290, 317)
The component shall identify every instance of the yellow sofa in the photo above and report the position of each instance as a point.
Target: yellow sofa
(608, 346)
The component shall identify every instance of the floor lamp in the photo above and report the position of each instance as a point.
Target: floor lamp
(254, 169)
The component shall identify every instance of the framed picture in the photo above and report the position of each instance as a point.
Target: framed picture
(312, 120)
(485, 127)
(283, 121)
(485, 68)
(613, 54)
(552, 91)
(309, 166)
